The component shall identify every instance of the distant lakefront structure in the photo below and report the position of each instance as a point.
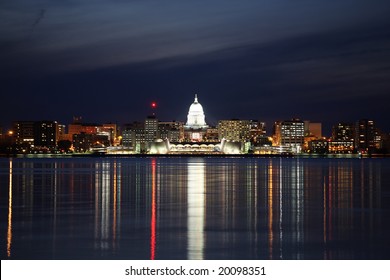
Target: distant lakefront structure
(195, 136)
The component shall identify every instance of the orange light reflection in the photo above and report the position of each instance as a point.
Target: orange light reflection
(9, 230)
(270, 211)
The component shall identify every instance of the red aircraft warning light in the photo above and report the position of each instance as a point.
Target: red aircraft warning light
(154, 105)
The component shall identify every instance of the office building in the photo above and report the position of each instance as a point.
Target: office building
(234, 130)
(289, 133)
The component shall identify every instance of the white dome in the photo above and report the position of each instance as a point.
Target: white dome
(196, 117)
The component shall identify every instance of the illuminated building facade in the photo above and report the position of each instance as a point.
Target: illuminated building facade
(341, 147)
(173, 131)
(24, 133)
(133, 135)
(151, 130)
(211, 135)
(257, 131)
(343, 132)
(367, 137)
(290, 133)
(318, 146)
(110, 129)
(45, 134)
(195, 127)
(84, 142)
(313, 129)
(234, 130)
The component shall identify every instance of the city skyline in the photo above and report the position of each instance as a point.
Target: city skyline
(108, 60)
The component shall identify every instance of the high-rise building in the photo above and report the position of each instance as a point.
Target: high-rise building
(367, 137)
(61, 132)
(110, 129)
(45, 134)
(290, 133)
(24, 133)
(234, 130)
(173, 131)
(151, 129)
(313, 129)
(343, 132)
(257, 132)
(133, 135)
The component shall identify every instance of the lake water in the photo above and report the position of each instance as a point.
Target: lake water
(194, 208)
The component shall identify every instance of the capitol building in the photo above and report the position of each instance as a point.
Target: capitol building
(195, 127)
(195, 137)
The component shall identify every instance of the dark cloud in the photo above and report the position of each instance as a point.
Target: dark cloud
(258, 63)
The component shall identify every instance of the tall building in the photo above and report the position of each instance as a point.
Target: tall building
(257, 133)
(196, 126)
(234, 130)
(367, 137)
(343, 132)
(61, 132)
(45, 134)
(313, 129)
(133, 135)
(24, 133)
(110, 129)
(290, 133)
(173, 131)
(151, 130)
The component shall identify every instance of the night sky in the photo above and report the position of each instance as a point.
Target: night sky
(324, 61)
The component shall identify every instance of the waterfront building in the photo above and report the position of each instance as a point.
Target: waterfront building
(343, 132)
(234, 130)
(341, 147)
(61, 132)
(133, 135)
(211, 135)
(319, 146)
(195, 127)
(151, 130)
(289, 133)
(45, 134)
(24, 133)
(313, 129)
(367, 138)
(84, 142)
(257, 133)
(110, 129)
(78, 127)
(173, 131)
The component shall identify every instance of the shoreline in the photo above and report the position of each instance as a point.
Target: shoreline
(195, 155)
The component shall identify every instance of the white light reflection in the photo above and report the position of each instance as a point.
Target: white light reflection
(196, 209)
(102, 203)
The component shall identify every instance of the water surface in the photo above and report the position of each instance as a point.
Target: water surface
(194, 208)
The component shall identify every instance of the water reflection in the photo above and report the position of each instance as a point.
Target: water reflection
(9, 227)
(195, 208)
(153, 216)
